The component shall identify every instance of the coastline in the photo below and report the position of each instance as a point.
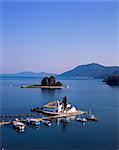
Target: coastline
(41, 86)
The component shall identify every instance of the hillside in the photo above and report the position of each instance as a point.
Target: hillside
(28, 74)
(91, 71)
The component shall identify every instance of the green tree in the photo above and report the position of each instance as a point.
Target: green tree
(64, 102)
(58, 84)
(44, 81)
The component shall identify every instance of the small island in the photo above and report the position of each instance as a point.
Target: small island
(46, 83)
(112, 80)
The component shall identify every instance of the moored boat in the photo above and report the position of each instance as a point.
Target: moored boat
(81, 119)
(47, 122)
(33, 121)
(18, 125)
(91, 116)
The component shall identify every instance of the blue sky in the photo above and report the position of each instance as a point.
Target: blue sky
(58, 36)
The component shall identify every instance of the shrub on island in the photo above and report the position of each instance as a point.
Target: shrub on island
(46, 82)
(51, 81)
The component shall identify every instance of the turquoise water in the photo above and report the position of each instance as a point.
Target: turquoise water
(84, 94)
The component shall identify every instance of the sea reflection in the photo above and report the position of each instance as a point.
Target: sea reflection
(51, 94)
(64, 122)
(20, 131)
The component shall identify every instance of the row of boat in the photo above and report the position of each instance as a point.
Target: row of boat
(35, 122)
(29, 121)
(88, 117)
(81, 118)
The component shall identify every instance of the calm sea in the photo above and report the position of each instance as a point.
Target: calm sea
(84, 94)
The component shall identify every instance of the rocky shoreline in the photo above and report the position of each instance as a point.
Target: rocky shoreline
(41, 86)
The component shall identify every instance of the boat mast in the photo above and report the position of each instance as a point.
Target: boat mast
(58, 104)
(90, 111)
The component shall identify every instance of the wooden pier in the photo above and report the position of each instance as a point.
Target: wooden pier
(78, 112)
(19, 115)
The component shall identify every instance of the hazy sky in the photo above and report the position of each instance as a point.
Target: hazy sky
(58, 36)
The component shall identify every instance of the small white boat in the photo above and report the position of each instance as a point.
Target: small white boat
(67, 86)
(10, 85)
(47, 122)
(33, 121)
(81, 119)
(91, 117)
(18, 125)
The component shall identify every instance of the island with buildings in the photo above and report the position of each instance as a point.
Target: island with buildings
(58, 108)
(46, 83)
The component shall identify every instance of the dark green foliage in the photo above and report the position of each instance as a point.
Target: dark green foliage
(112, 80)
(45, 81)
(58, 84)
(64, 102)
(51, 81)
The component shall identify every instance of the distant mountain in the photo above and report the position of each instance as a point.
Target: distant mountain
(83, 71)
(91, 71)
(28, 74)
